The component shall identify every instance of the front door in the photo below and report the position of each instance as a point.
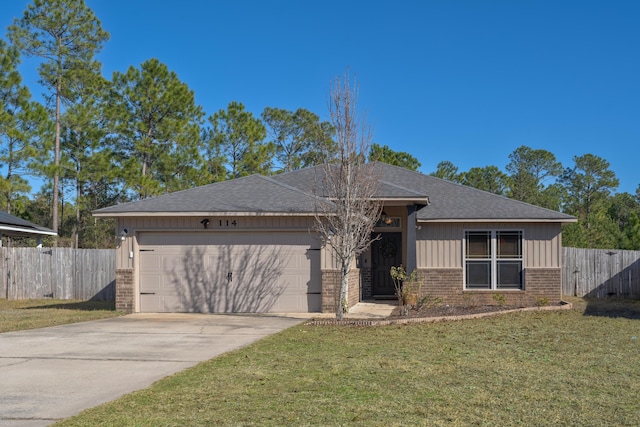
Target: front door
(386, 252)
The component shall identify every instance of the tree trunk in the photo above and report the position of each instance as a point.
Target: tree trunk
(56, 150)
(342, 294)
(9, 191)
(76, 228)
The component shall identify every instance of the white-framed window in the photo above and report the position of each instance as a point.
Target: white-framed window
(493, 259)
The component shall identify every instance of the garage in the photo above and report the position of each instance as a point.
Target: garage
(229, 272)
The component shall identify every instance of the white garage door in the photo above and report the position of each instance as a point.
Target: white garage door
(216, 272)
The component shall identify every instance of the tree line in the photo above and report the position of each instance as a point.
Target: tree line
(586, 189)
(95, 142)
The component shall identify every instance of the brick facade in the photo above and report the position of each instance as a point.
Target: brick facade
(331, 287)
(366, 283)
(544, 283)
(125, 292)
(541, 284)
(353, 294)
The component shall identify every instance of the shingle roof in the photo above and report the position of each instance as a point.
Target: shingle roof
(253, 194)
(11, 225)
(451, 201)
(292, 192)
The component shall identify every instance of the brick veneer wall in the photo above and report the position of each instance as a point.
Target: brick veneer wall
(447, 284)
(331, 287)
(366, 286)
(353, 294)
(125, 292)
(544, 283)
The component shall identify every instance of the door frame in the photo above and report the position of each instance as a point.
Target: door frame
(400, 254)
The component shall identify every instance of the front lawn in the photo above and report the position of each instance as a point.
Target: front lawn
(533, 368)
(41, 313)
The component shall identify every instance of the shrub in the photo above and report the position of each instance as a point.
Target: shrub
(500, 299)
(407, 287)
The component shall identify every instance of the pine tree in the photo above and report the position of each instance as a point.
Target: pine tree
(65, 35)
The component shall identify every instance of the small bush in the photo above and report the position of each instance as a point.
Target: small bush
(428, 301)
(407, 287)
(541, 302)
(500, 299)
(469, 301)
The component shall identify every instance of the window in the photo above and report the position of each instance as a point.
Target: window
(493, 259)
(388, 222)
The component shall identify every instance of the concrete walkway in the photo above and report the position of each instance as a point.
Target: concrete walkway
(371, 310)
(53, 373)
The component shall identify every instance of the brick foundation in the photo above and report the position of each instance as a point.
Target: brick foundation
(353, 293)
(447, 284)
(125, 292)
(544, 283)
(366, 286)
(331, 287)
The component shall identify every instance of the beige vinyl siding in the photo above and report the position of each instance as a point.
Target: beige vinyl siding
(439, 245)
(543, 246)
(137, 224)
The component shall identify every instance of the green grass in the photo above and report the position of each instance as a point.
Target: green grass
(534, 368)
(41, 313)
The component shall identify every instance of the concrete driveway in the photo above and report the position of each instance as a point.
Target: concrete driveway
(53, 373)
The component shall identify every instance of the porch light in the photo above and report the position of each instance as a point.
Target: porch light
(385, 218)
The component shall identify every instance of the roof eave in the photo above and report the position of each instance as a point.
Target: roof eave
(22, 230)
(513, 220)
(190, 214)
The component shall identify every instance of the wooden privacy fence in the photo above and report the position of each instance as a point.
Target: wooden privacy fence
(64, 273)
(600, 273)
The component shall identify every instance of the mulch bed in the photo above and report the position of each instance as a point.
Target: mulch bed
(438, 313)
(442, 310)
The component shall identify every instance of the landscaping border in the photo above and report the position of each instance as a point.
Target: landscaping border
(409, 320)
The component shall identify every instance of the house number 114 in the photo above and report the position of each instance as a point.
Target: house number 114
(227, 223)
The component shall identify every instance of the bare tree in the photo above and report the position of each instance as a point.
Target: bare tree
(346, 208)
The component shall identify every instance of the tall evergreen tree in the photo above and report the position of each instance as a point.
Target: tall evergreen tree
(488, 178)
(529, 169)
(631, 233)
(448, 171)
(588, 186)
(240, 136)
(65, 35)
(299, 137)
(154, 123)
(23, 129)
(385, 154)
(86, 157)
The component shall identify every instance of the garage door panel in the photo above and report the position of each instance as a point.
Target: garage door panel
(207, 272)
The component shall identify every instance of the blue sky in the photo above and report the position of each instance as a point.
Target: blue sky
(464, 81)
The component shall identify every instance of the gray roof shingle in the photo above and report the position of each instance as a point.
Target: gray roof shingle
(11, 225)
(253, 194)
(292, 192)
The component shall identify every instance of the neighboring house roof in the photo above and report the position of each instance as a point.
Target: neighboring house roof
(17, 227)
(293, 193)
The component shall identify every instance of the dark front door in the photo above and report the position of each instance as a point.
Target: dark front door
(385, 253)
